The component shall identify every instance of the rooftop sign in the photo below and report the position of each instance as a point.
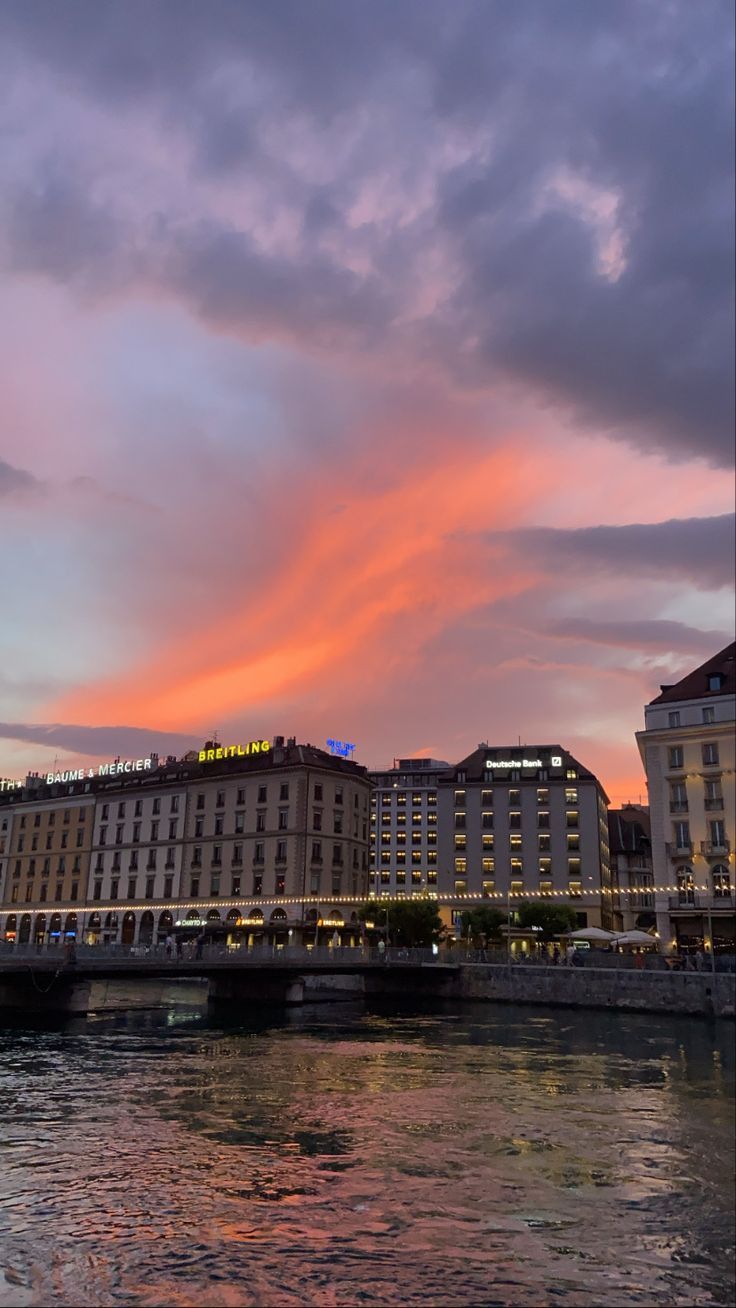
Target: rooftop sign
(117, 768)
(233, 751)
(343, 748)
(506, 763)
(7, 784)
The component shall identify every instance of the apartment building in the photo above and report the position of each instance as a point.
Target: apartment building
(688, 749)
(632, 877)
(404, 827)
(44, 868)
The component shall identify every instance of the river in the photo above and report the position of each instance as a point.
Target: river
(343, 1156)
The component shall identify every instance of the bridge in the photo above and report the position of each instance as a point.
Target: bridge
(38, 978)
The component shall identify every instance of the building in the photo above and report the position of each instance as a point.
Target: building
(404, 827)
(632, 877)
(688, 752)
(524, 822)
(260, 839)
(44, 860)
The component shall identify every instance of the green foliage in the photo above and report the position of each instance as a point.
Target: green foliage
(482, 924)
(408, 921)
(552, 919)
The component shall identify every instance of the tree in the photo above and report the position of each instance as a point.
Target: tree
(482, 924)
(406, 921)
(551, 919)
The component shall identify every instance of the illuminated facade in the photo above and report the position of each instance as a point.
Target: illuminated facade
(632, 876)
(525, 823)
(688, 751)
(404, 827)
(277, 837)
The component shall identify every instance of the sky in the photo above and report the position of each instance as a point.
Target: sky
(365, 372)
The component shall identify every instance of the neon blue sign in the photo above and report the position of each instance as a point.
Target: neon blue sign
(343, 748)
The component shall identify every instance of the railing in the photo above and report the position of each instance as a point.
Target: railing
(713, 847)
(680, 849)
(714, 802)
(698, 900)
(261, 954)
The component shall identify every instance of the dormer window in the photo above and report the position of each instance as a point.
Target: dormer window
(715, 681)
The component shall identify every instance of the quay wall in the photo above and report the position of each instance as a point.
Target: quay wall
(698, 993)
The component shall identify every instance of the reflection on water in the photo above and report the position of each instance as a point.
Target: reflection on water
(333, 1156)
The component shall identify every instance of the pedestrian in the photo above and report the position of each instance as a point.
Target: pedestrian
(169, 945)
(179, 948)
(699, 959)
(381, 949)
(570, 953)
(200, 945)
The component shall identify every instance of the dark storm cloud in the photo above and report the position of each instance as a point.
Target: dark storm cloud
(127, 742)
(696, 550)
(589, 223)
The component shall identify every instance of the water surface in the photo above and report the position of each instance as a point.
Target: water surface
(336, 1156)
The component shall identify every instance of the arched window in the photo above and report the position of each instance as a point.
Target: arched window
(10, 926)
(128, 932)
(145, 930)
(24, 934)
(165, 922)
(55, 926)
(70, 926)
(213, 915)
(233, 915)
(685, 885)
(721, 881)
(278, 915)
(40, 928)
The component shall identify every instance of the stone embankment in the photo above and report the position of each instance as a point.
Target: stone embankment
(700, 993)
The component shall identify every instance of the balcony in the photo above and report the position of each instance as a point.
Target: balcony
(713, 848)
(678, 806)
(680, 849)
(714, 803)
(697, 901)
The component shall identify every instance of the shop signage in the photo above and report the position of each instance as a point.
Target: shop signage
(233, 751)
(343, 748)
(513, 763)
(117, 768)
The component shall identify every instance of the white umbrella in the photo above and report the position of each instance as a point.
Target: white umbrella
(590, 933)
(635, 938)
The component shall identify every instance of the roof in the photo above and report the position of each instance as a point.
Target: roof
(696, 684)
(629, 829)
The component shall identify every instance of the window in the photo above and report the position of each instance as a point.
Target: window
(461, 865)
(258, 883)
(710, 754)
(262, 795)
(280, 851)
(219, 825)
(573, 840)
(103, 815)
(486, 841)
(131, 887)
(284, 791)
(261, 821)
(682, 835)
(156, 807)
(461, 841)
(461, 887)
(239, 823)
(258, 852)
(200, 801)
(58, 896)
(678, 797)
(194, 888)
(721, 882)
(151, 862)
(543, 819)
(133, 864)
(154, 831)
(237, 854)
(317, 820)
(673, 719)
(173, 826)
(318, 792)
(713, 794)
(138, 811)
(488, 867)
(119, 835)
(240, 798)
(487, 821)
(338, 795)
(220, 799)
(674, 755)
(114, 885)
(168, 887)
(280, 886)
(717, 834)
(514, 821)
(198, 828)
(573, 867)
(67, 814)
(459, 798)
(715, 681)
(337, 854)
(102, 836)
(571, 819)
(174, 806)
(136, 832)
(543, 795)
(217, 855)
(197, 856)
(545, 867)
(686, 886)
(514, 798)
(149, 887)
(709, 714)
(571, 795)
(515, 840)
(43, 893)
(214, 885)
(235, 886)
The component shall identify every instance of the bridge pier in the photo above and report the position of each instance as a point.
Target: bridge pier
(249, 990)
(60, 994)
